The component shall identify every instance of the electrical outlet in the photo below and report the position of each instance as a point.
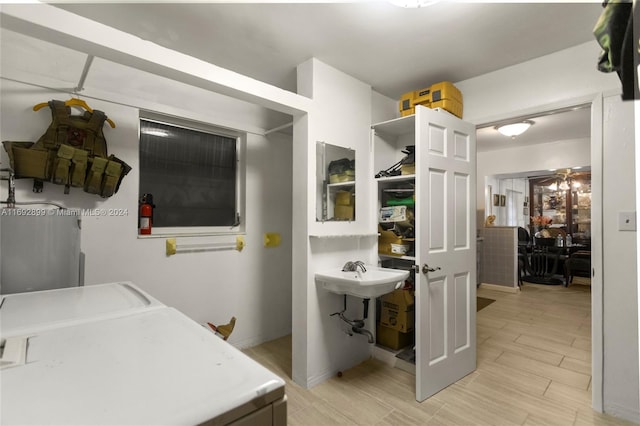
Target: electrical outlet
(626, 221)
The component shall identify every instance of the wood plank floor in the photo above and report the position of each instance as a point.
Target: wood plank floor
(534, 368)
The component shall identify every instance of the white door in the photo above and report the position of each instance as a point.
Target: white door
(446, 255)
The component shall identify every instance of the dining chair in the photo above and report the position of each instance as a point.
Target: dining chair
(578, 265)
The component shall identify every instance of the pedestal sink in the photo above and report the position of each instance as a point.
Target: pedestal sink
(374, 282)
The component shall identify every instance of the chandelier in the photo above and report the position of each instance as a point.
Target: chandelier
(564, 182)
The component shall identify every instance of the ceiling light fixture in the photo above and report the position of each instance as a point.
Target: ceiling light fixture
(514, 129)
(564, 186)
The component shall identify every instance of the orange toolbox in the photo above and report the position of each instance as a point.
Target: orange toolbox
(440, 95)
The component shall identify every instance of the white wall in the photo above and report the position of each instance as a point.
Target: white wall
(565, 78)
(254, 285)
(383, 108)
(341, 115)
(554, 79)
(620, 287)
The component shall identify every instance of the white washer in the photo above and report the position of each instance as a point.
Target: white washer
(149, 368)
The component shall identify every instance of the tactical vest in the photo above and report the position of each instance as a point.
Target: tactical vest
(72, 152)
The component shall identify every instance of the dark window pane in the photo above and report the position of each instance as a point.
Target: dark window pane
(191, 174)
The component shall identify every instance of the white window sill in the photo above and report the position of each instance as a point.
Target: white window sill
(190, 235)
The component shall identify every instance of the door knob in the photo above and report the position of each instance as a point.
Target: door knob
(426, 269)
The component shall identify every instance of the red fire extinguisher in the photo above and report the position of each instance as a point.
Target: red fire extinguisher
(146, 214)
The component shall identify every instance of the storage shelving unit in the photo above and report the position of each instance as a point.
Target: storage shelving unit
(390, 138)
(391, 188)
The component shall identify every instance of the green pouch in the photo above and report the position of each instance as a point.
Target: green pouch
(94, 179)
(30, 163)
(125, 170)
(79, 167)
(62, 165)
(8, 146)
(111, 177)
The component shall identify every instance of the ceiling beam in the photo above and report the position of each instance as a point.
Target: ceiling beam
(57, 26)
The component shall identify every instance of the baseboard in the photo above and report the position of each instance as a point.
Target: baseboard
(324, 376)
(502, 288)
(388, 356)
(256, 340)
(629, 414)
(316, 380)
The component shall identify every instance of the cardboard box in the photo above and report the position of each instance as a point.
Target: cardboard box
(345, 198)
(403, 321)
(399, 300)
(391, 338)
(398, 310)
(344, 212)
(385, 239)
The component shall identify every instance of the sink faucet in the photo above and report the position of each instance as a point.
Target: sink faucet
(353, 266)
(349, 266)
(360, 264)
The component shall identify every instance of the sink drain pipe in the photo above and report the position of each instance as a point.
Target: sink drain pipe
(357, 326)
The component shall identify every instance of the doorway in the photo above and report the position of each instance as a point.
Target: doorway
(557, 139)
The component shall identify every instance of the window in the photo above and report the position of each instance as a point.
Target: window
(192, 173)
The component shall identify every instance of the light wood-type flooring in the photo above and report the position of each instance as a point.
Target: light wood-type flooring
(534, 368)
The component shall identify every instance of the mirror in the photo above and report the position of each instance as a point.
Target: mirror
(335, 183)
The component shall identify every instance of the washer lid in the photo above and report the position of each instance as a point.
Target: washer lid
(39, 310)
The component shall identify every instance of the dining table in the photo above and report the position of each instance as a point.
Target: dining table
(544, 261)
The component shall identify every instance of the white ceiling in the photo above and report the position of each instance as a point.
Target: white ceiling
(393, 49)
(548, 128)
